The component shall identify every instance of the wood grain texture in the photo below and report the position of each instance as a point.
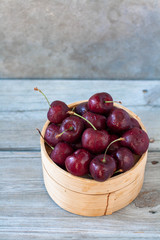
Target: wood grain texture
(24, 110)
(18, 95)
(27, 211)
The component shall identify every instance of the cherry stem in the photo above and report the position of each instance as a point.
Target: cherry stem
(116, 140)
(44, 139)
(119, 170)
(73, 113)
(60, 134)
(37, 89)
(113, 102)
(73, 109)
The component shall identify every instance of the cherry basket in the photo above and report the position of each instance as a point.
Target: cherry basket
(88, 197)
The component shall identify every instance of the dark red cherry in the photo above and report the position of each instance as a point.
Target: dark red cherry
(134, 123)
(115, 146)
(112, 109)
(101, 168)
(78, 163)
(61, 151)
(95, 141)
(125, 159)
(57, 112)
(100, 103)
(81, 108)
(71, 129)
(136, 139)
(99, 121)
(50, 134)
(118, 120)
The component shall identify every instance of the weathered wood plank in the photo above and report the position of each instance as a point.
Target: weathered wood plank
(18, 95)
(27, 211)
(18, 128)
(78, 235)
(22, 109)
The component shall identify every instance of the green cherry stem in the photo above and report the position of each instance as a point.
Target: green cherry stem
(116, 140)
(118, 171)
(113, 102)
(44, 139)
(73, 109)
(60, 134)
(73, 113)
(37, 89)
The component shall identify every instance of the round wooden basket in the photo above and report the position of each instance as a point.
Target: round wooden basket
(88, 197)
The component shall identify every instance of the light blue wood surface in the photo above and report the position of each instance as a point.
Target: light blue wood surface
(26, 210)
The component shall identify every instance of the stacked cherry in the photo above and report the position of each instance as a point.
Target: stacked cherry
(94, 138)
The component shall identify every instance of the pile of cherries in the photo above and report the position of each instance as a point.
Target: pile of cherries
(94, 138)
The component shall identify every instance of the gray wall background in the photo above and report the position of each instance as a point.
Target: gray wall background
(111, 39)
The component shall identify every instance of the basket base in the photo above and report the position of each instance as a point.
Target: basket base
(91, 204)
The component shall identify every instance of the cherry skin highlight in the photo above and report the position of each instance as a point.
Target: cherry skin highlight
(78, 163)
(102, 168)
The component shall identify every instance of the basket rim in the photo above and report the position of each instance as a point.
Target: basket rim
(85, 180)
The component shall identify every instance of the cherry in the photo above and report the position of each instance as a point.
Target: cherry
(61, 151)
(112, 109)
(81, 108)
(102, 167)
(134, 123)
(50, 134)
(92, 139)
(136, 139)
(119, 120)
(100, 103)
(114, 146)
(86, 120)
(99, 121)
(125, 159)
(71, 129)
(95, 141)
(78, 163)
(57, 110)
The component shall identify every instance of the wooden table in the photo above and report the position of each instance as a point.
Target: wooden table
(26, 210)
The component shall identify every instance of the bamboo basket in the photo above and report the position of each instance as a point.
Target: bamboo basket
(88, 197)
